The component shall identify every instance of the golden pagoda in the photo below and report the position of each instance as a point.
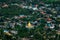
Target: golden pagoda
(7, 33)
(29, 25)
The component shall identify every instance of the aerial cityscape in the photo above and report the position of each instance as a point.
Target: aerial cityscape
(29, 19)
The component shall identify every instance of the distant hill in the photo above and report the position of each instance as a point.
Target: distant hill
(18, 1)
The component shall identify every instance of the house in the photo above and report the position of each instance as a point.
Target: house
(5, 5)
